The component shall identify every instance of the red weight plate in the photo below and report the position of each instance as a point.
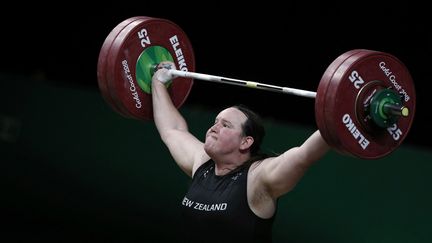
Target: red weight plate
(101, 66)
(329, 97)
(352, 136)
(110, 79)
(126, 50)
(320, 108)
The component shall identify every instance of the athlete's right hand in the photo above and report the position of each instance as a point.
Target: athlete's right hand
(163, 73)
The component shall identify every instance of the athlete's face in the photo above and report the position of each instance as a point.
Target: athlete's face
(226, 135)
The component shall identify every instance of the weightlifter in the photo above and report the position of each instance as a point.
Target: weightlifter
(235, 187)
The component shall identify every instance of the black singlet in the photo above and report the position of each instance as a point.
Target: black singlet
(215, 209)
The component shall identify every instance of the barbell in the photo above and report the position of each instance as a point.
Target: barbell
(364, 104)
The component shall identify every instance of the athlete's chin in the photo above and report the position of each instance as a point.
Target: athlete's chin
(209, 148)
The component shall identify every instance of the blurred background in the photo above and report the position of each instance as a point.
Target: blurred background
(73, 170)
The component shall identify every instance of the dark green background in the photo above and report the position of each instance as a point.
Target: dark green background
(73, 170)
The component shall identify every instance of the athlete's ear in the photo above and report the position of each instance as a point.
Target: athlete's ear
(246, 143)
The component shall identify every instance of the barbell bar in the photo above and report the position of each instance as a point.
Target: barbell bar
(244, 83)
(388, 109)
